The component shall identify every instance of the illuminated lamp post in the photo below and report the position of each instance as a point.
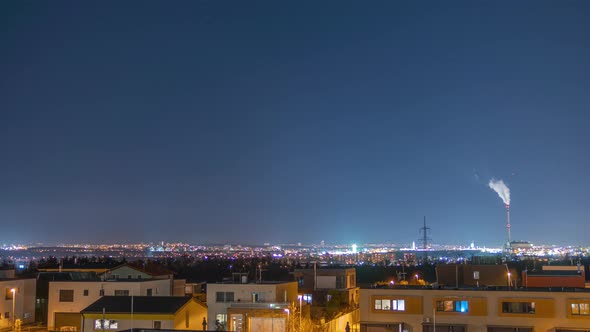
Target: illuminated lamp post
(13, 291)
(288, 318)
(300, 297)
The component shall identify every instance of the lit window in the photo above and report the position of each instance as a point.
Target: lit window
(390, 305)
(220, 321)
(8, 294)
(582, 309)
(105, 324)
(452, 306)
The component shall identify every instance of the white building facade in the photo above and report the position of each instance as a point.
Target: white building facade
(223, 298)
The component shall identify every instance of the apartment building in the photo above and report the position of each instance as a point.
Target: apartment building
(249, 307)
(475, 310)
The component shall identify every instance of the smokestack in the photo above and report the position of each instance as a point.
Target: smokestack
(504, 192)
(508, 221)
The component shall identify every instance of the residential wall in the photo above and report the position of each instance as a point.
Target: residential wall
(159, 288)
(552, 309)
(573, 281)
(125, 322)
(326, 278)
(178, 288)
(339, 324)
(190, 317)
(127, 272)
(24, 301)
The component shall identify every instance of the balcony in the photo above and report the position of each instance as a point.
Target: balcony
(259, 305)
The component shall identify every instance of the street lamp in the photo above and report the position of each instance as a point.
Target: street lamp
(509, 281)
(300, 297)
(288, 317)
(13, 290)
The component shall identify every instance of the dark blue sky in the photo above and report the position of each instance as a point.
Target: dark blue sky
(251, 122)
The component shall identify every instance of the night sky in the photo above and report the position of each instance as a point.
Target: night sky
(284, 122)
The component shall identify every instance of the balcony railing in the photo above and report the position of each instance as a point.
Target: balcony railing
(259, 305)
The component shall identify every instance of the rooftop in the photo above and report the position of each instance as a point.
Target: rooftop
(232, 282)
(487, 289)
(141, 304)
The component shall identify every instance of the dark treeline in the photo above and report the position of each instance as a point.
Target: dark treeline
(214, 269)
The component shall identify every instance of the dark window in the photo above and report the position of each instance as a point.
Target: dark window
(7, 314)
(509, 329)
(340, 282)
(85, 292)
(157, 324)
(518, 307)
(66, 295)
(149, 292)
(129, 277)
(101, 293)
(224, 296)
(121, 292)
(229, 296)
(442, 328)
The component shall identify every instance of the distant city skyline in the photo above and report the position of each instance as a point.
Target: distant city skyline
(209, 122)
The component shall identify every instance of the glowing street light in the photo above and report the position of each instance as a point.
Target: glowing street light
(13, 290)
(509, 281)
(300, 297)
(288, 317)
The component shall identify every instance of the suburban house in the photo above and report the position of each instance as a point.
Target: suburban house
(17, 302)
(116, 313)
(67, 298)
(244, 306)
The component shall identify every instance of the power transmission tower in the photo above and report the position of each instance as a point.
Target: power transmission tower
(425, 239)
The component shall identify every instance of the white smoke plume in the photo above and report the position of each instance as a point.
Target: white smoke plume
(502, 189)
